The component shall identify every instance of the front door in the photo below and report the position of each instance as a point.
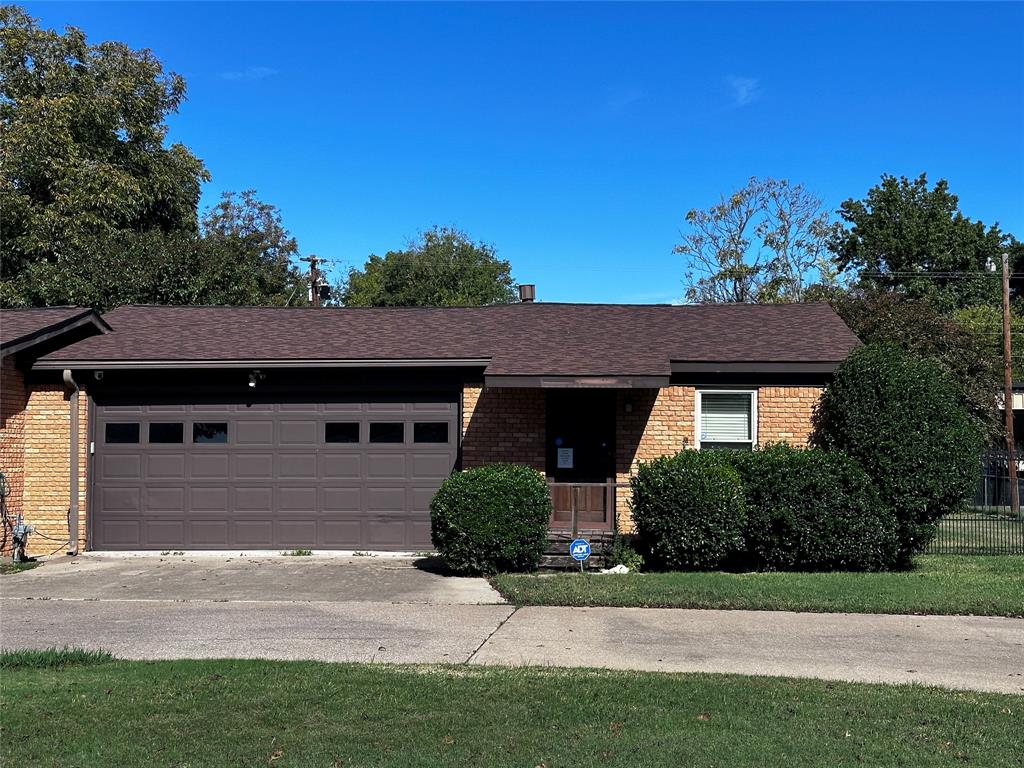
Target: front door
(580, 455)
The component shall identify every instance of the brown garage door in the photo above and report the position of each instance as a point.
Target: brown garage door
(332, 474)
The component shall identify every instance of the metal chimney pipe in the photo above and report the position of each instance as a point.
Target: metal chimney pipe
(527, 293)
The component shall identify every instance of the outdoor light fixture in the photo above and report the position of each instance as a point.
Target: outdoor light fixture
(254, 377)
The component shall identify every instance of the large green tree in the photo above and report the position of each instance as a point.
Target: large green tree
(443, 267)
(766, 242)
(82, 147)
(911, 237)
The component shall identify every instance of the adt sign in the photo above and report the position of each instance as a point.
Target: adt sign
(580, 550)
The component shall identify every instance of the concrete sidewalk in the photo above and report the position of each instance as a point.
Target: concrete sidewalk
(978, 653)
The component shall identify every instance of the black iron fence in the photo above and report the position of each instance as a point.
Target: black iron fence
(989, 526)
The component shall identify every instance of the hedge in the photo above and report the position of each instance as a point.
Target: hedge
(688, 510)
(813, 510)
(901, 418)
(491, 519)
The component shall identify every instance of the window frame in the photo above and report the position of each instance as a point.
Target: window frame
(726, 391)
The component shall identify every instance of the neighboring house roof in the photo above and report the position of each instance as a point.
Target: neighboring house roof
(23, 328)
(512, 340)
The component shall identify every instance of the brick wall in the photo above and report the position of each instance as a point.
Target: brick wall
(502, 424)
(784, 414)
(12, 440)
(47, 466)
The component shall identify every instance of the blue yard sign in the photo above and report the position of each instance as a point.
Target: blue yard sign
(580, 550)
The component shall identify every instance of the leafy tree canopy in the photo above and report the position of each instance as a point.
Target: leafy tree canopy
(766, 242)
(909, 236)
(443, 267)
(82, 131)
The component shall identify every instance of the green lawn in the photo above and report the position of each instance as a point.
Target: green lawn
(259, 713)
(989, 586)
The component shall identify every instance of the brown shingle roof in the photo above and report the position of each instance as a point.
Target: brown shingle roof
(517, 339)
(18, 327)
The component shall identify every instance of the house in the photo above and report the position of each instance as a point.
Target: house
(273, 428)
(35, 413)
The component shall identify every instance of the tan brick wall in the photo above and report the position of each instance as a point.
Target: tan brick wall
(47, 484)
(784, 414)
(502, 424)
(12, 440)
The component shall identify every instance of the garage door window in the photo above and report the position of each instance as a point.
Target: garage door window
(210, 432)
(341, 432)
(430, 432)
(387, 432)
(167, 432)
(121, 432)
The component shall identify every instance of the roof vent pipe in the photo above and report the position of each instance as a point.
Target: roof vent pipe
(527, 293)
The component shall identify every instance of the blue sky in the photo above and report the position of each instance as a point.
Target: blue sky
(574, 137)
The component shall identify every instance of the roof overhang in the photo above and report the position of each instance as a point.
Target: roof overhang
(87, 317)
(755, 367)
(577, 382)
(467, 362)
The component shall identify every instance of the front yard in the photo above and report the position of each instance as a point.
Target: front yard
(940, 584)
(218, 713)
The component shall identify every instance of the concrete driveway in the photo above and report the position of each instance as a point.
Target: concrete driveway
(390, 610)
(246, 578)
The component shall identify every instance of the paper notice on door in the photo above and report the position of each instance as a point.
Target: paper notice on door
(565, 458)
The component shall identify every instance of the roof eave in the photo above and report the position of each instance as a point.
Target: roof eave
(127, 364)
(701, 366)
(87, 317)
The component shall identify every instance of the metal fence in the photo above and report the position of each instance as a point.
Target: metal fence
(989, 527)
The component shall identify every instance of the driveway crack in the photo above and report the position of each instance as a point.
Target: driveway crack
(492, 633)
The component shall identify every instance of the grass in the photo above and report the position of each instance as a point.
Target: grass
(52, 658)
(8, 566)
(940, 584)
(250, 713)
(298, 553)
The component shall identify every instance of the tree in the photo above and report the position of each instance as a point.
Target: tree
(82, 131)
(766, 243)
(906, 236)
(444, 267)
(900, 417)
(241, 257)
(880, 316)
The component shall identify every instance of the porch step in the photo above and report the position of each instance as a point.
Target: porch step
(556, 555)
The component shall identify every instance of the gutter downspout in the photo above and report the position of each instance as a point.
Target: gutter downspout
(73, 463)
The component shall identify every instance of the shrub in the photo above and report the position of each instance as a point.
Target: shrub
(491, 519)
(688, 510)
(813, 510)
(901, 419)
(622, 552)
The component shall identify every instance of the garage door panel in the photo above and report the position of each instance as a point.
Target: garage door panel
(119, 466)
(298, 432)
(254, 466)
(205, 465)
(207, 534)
(165, 466)
(296, 499)
(254, 499)
(347, 499)
(341, 466)
(165, 533)
(121, 499)
(277, 481)
(164, 499)
(254, 432)
(296, 466)
(208, 499)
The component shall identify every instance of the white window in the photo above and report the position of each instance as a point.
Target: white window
(726, 418)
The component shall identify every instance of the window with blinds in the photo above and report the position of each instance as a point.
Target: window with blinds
(726, 419)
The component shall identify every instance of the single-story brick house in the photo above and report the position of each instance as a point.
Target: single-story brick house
(274, 428)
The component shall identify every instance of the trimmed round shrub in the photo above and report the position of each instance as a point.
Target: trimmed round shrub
(688, 510)
(813, 510)
(901, 419)
(491, 519)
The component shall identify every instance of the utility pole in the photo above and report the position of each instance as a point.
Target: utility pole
(1011, 452)
(314, 279)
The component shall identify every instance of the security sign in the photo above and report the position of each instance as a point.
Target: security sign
(580, 549)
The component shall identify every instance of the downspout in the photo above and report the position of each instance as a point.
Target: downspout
(73, 462)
